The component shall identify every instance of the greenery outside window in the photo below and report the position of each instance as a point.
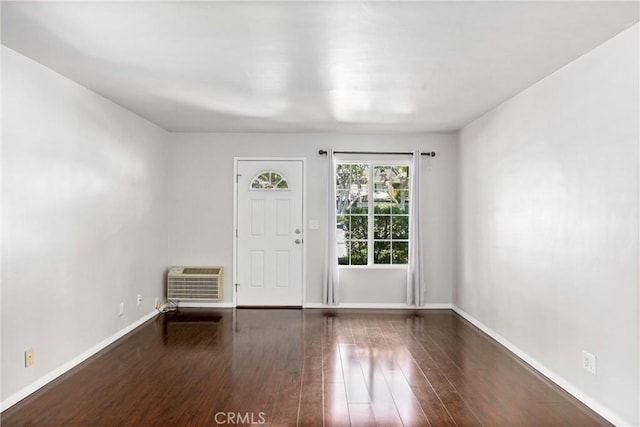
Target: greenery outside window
(372, 213)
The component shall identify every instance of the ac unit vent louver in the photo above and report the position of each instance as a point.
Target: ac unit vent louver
(194, 284)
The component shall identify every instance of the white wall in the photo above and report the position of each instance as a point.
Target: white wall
(548, 223)
(84, 219)
(201, 206)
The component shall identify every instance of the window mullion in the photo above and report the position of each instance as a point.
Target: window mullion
(370, 190)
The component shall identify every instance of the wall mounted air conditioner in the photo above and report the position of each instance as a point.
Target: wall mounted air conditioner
(194, 284)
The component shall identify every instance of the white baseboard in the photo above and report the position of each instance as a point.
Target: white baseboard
(557, 379)
(382, 306)
(206, 305)
(41, 382)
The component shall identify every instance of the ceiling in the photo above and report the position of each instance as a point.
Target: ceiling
(310, 66)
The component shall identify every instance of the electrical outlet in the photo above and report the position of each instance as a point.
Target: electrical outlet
(157, 303)
(28, 357)
(121, 311)
(139, 299)
(588, 362)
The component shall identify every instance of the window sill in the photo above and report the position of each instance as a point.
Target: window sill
(373, 267)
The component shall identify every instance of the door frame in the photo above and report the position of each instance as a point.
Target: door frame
(236, 160)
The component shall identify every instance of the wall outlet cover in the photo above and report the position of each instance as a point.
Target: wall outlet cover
(28, 358)
(588, 362)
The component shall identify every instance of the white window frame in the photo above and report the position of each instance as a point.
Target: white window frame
(370, 208)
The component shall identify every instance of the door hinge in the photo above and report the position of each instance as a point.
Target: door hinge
(237, 176)
(237, 284)
(236, 232)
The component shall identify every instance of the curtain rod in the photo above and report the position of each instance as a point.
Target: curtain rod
(431, 154)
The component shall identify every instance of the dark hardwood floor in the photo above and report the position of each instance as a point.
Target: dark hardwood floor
(303, 367)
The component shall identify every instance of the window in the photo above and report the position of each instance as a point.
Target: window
(269, 180)
(372, 213)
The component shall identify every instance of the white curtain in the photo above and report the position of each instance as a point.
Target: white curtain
(415, 289)
(330, 280)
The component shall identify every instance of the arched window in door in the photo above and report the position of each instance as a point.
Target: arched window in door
(269, 180)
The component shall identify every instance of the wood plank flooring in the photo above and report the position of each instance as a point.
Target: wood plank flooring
(303, 367)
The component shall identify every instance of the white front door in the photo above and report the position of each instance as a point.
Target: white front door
(269, 233)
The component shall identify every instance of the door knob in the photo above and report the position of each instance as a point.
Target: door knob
(298, 231)
(298, 241)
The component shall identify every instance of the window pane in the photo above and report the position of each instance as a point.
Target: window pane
(359, 208)
(400, 227)
(400, 253)
(359, 253)
(382, 252)
(381, 226)
(352, 188)
(383, 208)
(400, 209)
(269, 181)
(347, 227)
(391, 185)
(359, 227)
(403, 200)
